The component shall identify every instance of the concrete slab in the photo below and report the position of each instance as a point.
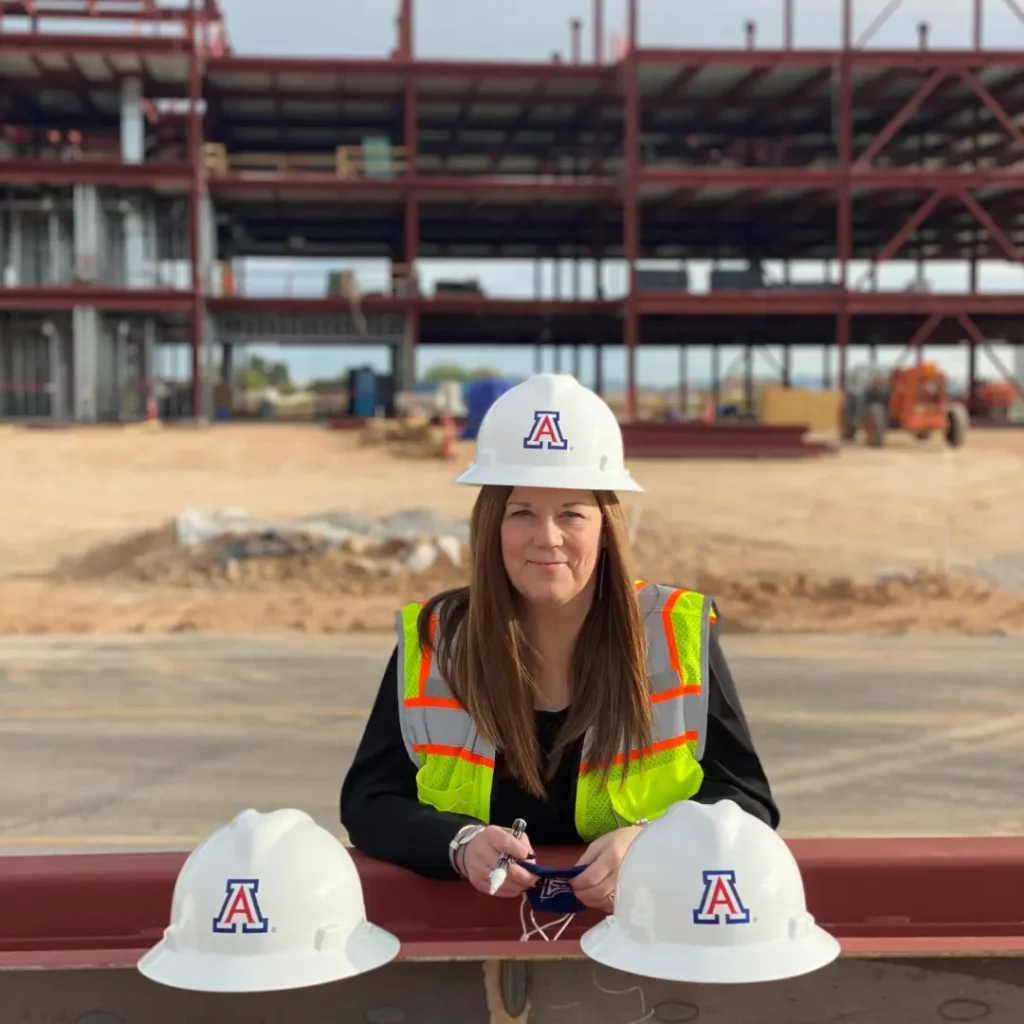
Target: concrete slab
(145, 744)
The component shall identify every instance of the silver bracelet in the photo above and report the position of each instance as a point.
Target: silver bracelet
(461, 839)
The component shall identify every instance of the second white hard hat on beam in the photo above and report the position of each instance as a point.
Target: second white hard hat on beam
(550, 431)
(269, 901)
(709, 893)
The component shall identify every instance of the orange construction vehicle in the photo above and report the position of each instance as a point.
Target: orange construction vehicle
(914, 398)
(993, 399)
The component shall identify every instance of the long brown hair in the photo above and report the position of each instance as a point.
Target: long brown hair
(491, 668)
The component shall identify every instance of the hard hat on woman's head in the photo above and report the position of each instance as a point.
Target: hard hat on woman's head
(709, 893)
(269, 901)
(550, 431)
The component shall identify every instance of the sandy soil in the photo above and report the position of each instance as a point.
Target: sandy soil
(794, 546)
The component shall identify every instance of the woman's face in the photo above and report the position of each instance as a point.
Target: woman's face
(550, 542)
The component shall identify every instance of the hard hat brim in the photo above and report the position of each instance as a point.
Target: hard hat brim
(367, 949)
(608, 944)
(553, 477)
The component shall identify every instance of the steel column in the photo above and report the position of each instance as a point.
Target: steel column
(411, 225)
(196, 195)
(631, 204)
(844, 207)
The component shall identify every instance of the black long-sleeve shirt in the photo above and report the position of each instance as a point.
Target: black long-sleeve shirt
(384, 818)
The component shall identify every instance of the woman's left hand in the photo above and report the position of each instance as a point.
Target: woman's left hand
(595, 887)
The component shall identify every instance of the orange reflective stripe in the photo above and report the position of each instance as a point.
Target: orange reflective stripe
(654, 748)
(426, 663)
(460, 752)
(426, 657)
(449, 703)
(673, 648)
(679, 691)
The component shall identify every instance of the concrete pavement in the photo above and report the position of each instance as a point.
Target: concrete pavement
(146, 744)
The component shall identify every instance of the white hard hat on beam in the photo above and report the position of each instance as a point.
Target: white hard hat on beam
(268, 902)
(709, 893)
(550, 431)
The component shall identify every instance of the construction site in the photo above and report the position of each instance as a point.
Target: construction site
(201, 570)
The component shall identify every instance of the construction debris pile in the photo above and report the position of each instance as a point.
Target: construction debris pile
(409, 437)
(338, 572)
(334, 553)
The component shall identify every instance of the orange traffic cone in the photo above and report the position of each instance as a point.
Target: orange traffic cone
(447, 436)
(152, 412)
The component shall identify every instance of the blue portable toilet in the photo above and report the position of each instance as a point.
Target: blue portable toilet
(362, 383)
(480, 396)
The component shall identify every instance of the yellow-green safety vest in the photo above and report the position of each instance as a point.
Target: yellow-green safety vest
(455, 764)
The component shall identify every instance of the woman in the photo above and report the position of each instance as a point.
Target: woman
(554, 688)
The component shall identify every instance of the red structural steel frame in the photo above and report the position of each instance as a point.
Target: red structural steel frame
(847, 175)
(848, 172)
(901, 897)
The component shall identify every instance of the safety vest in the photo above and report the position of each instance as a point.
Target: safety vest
(455, 764)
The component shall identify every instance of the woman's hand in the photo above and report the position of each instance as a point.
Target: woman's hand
(480, 858)
(595, 887)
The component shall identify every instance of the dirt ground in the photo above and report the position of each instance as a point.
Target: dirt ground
(794, 546)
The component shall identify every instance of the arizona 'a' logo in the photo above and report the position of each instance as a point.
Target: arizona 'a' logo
(720, 902)
(551, 888)
(240, 912)
(546, 432)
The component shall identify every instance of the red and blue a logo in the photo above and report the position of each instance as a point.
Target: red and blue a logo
(720, 902)
(546, 432)
(240, 912)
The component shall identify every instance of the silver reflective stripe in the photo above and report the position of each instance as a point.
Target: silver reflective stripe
(688, 711)
(699, 702)
(426, 725)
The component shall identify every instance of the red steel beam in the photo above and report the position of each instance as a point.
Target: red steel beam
(925, 210)
(471, 306)
(91, 11)
(937, 78)
(603, 191)
(875, 895)
(61, 44)
(893, 246)
(109, 300)
(901, 117)
(95, 172)
(980, 341)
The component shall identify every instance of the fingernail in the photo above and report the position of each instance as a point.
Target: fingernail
(531, 856)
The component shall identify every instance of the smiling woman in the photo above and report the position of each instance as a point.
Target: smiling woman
(555, 688)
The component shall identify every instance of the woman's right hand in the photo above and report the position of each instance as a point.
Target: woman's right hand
(480, 857)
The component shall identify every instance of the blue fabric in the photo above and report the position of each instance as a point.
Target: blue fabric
(553, 894)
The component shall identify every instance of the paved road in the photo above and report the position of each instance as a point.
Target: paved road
(147, 744)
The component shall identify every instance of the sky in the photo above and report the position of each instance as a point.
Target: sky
(532, 29)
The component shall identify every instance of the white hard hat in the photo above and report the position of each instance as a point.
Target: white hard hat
(269, 901)
(550, 431)
(709, 893)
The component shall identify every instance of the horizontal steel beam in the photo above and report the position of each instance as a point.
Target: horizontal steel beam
(105, 299)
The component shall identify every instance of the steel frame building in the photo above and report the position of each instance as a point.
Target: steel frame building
(122, 154)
